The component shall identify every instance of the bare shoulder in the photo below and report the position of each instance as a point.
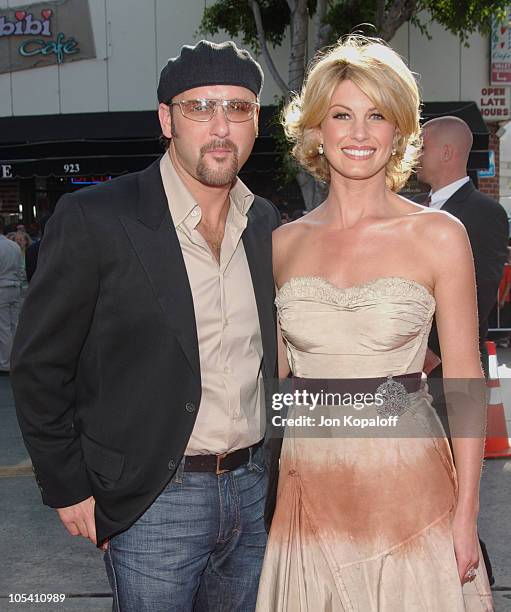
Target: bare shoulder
(441, 228)
(286, 235)
(287, 242)
(428, 222)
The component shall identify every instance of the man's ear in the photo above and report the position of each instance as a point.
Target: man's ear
(165, 120)
(447, 152)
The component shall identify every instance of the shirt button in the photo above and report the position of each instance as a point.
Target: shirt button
(189, 407)
(171, 464)
(195, 212)
(227, 370)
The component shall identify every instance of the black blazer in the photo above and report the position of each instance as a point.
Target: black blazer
(105, 364)
(488, 231)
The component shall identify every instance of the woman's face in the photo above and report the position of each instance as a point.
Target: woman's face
(356, 137)
(21, 240)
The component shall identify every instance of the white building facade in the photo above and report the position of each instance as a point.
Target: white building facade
(131, 41)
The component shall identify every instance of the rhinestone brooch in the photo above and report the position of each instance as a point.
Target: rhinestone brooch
(395, 398)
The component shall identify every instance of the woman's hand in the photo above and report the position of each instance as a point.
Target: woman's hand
(466, 545)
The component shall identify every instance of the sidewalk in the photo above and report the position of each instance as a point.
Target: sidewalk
(38, 556)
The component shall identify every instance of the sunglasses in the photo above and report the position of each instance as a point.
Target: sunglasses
(203, 109)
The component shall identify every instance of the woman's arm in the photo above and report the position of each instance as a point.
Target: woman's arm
(464, 385)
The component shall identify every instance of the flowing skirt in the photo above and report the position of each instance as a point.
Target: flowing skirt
(364, 524)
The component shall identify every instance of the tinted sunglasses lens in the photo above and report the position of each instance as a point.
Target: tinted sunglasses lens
(198, 110)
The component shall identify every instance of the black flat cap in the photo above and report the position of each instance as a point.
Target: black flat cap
(209, 63)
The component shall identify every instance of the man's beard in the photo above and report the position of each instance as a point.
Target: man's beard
(226, 171)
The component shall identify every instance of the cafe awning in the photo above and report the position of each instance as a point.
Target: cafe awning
(87, 144)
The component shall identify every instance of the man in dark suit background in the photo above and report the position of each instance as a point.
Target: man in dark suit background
(144, 339)
(446, 146)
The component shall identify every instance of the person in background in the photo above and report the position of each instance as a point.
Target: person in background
(32, 252)
(447, 142)
(446, 146)
(11, 280)
(23, 240)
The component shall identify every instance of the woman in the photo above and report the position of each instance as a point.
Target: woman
(23, 240)
(366, 523)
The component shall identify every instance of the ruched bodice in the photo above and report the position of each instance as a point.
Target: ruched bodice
(378, 328)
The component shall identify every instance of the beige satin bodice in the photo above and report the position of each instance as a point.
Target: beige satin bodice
(379, 328)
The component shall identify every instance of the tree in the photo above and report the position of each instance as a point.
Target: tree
(264, 23)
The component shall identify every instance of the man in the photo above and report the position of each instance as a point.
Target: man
(138, 387)
(446, 146)
(32, 252)
(11, 279)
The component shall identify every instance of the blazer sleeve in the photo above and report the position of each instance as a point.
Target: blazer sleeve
(53, 327)
(489, 237)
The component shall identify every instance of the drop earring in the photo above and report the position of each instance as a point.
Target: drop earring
(321, 150)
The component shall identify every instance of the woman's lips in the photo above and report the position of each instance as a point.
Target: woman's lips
(358, 154)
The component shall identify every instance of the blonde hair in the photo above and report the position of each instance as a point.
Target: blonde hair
(383, 77)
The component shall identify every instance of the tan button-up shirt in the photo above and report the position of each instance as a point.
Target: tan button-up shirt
(230, 344)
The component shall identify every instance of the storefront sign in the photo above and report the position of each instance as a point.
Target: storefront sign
(501, 51)
(5, 171)
(490, 173)
(89, 180)
(44, 34)
(494, 103)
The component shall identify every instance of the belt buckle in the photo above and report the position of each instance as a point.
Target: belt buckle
(218, 459)
(395, 398)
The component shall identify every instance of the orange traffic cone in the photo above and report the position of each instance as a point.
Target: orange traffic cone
(497, 439)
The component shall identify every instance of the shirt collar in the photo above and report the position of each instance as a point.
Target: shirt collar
(443, 194)
(181, 202)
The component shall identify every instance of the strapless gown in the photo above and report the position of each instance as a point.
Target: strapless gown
(364, 524)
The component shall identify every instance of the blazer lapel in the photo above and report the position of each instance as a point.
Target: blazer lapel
(455, 202)
(257, 243)
(155, 241)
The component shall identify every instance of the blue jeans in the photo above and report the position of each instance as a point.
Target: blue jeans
(199, 546)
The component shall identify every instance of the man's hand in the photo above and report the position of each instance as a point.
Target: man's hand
(79, 520)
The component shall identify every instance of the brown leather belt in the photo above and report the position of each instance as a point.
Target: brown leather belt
(219, 464)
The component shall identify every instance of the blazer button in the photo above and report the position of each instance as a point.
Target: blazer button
(172, 464)
(189, 407)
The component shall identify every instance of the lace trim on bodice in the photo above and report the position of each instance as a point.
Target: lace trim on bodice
(318, 288)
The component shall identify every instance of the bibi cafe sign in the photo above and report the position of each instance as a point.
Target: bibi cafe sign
(44, 34)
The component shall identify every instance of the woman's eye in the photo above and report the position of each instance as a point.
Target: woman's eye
(378, 116)
(341, 116)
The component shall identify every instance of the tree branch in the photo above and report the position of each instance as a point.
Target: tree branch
(323, 30)
(380, 14)
(399, 12)
(299, 26)
(256, 10)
